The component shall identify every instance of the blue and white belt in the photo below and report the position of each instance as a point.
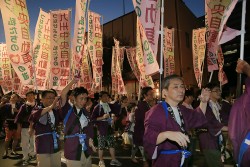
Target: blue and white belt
(185, 154)
(82, 138)
(243, 148)
(54, 135)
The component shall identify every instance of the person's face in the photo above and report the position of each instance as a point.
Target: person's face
(104, 98)
(125, 102)
(175, 92)
(48, 99)
(30, 97)
(215, 93)
(13, 98)
(149, 96)
(81, 100)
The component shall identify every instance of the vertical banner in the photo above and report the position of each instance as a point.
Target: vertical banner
(144, 80)
(116, 72)
(216, 15)
(86, 74)
(16, 27)
(131, 55)
(79, 34)
(199, 48)
(95, 48)
(168, 51)
(6, 73)
(16, 82)
(151, 64)
(42, 54)
(148, 12)
(60, 48)
(221, 75)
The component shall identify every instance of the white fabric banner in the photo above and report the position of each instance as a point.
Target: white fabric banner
(60, 49)
(16, 27)
(42, 49)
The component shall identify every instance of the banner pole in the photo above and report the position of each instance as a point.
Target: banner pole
(242, 40)
(211, 75)
(161, 55)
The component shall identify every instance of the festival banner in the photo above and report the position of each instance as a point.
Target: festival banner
(60, 48)
(116, 73)
(199, 47)
(131, 55)
(168, 51)
(6, 70)
(228, 34)
(95, 48)
(16, 27)
(144, 79)
(216, 15)
(16, 82)
(86, 75)
(79, 34)
(42, 54)
(221, 75)
(148, 12)
(151, 64)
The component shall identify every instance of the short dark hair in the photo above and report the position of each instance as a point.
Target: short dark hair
(70, 92)
(130, 106)
(225, 93)
(54, 91)
(166, 80)
(212, 85)
(144, 91)
(79, 90)
(45, 92)
(103, 93)
(189, 93)
(123, 98)
(30, 92)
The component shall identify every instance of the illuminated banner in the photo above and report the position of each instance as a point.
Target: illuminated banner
(144, 79)
(168, 48)
(131, 55)
(42, 49)
(216, 15)
(79, 34)
(5, 67)
(16, 27)
(60, 49)
(116, 73)
(95, 48)
(86, 75)
(151, 65)
(199, 47)
(148, 12)
(221, 75)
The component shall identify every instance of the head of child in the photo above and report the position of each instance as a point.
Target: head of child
(80, 97)
(131, 107)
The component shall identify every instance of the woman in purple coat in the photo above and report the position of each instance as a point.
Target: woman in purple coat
(167, 123)
(239, 120)
(78, 129)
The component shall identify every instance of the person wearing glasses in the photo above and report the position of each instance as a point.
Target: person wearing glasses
(78, 129)
(239, 120)
(44, 120)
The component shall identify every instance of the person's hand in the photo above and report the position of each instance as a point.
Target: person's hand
(105, 116)
(205, 95)
(178, 137)
(55, 102)
(243, 67)
(91, 144)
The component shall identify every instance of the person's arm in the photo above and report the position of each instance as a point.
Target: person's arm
(49, 108)
(66, 90)
(205, 94)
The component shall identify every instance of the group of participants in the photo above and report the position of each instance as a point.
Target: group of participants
(163, 131)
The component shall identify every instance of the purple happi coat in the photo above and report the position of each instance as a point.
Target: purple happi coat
(156, 122)
(72, 147)
(142, 108)
(239, 124)
(44, 144)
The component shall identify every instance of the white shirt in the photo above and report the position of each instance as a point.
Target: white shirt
(52, 117)
(215, 106)
(83, 120)
(177, 115)
(105, 107)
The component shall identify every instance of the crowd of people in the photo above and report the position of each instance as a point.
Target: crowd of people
(165, 132)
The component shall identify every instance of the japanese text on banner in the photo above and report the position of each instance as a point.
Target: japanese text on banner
(16, 27)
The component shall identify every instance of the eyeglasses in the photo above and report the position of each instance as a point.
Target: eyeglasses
(217, 91)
